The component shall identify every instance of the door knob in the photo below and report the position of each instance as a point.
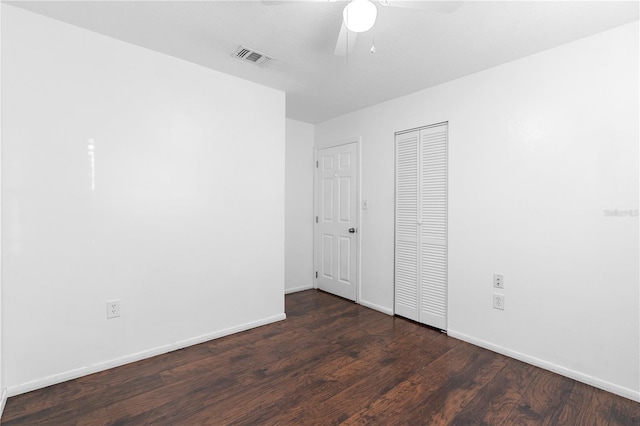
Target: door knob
(352, 230)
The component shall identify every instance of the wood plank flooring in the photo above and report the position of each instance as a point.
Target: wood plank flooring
(331, 362)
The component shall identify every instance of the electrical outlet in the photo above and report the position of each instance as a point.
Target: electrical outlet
(498, 280)
(113, 309)
(498, 301)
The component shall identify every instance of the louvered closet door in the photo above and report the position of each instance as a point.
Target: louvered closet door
(406, 262)
(421, 225)
(433, 226)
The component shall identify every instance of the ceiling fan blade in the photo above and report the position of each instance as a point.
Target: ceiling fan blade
(446, 6)
(346, 41)
(279, 2)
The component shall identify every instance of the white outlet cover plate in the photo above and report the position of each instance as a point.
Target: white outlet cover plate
(113, 309)
(498, 301)
(498, 280)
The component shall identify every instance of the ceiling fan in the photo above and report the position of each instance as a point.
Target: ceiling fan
(360, 15)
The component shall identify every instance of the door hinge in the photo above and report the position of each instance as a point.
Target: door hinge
(316, 219)
(317, 164)
(316, 274)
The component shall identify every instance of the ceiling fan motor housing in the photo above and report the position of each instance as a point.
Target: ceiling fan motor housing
(360, 15)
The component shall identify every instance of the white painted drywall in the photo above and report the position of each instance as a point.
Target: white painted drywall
(185, 224)
(539, 149)
(298, 206)
(2, 388)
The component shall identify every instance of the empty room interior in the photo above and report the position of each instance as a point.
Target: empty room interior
(320, 212)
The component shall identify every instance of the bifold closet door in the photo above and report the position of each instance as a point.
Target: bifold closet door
(406, 250)
(433, 226)
(421, 225)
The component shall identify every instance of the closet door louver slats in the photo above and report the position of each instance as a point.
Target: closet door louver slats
(433, 232)
(421, 225)
(406, 265)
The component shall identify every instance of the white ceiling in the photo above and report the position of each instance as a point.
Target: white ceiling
(416, 49)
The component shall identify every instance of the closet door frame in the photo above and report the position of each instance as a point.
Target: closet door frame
(419, 230)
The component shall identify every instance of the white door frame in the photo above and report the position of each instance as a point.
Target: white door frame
(316, 193)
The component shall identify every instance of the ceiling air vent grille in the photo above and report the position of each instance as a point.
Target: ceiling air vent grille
(253, 56)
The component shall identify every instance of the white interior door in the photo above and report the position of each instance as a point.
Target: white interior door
(407, 201)
(421, 225)
(433, 226)
(337, 220)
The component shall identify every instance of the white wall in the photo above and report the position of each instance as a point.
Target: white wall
(539, 149)
(3, 396)
(299, 206)
(185, 224)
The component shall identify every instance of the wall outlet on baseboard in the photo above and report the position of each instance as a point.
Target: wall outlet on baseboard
(113, 309)
(498, 301)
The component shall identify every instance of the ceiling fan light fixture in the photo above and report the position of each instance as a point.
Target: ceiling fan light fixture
(360, 15)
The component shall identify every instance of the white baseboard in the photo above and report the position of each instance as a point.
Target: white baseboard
(376, 307)
(563, 371)
(297, 289)
(105, 365)
(3, 401)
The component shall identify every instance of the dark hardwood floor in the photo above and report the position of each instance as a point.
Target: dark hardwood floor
(330, 362)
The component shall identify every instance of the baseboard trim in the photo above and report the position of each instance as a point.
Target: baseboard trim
(563, 371)
(117, 362)
(297, 289)
(376, 307)
(3, 401)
